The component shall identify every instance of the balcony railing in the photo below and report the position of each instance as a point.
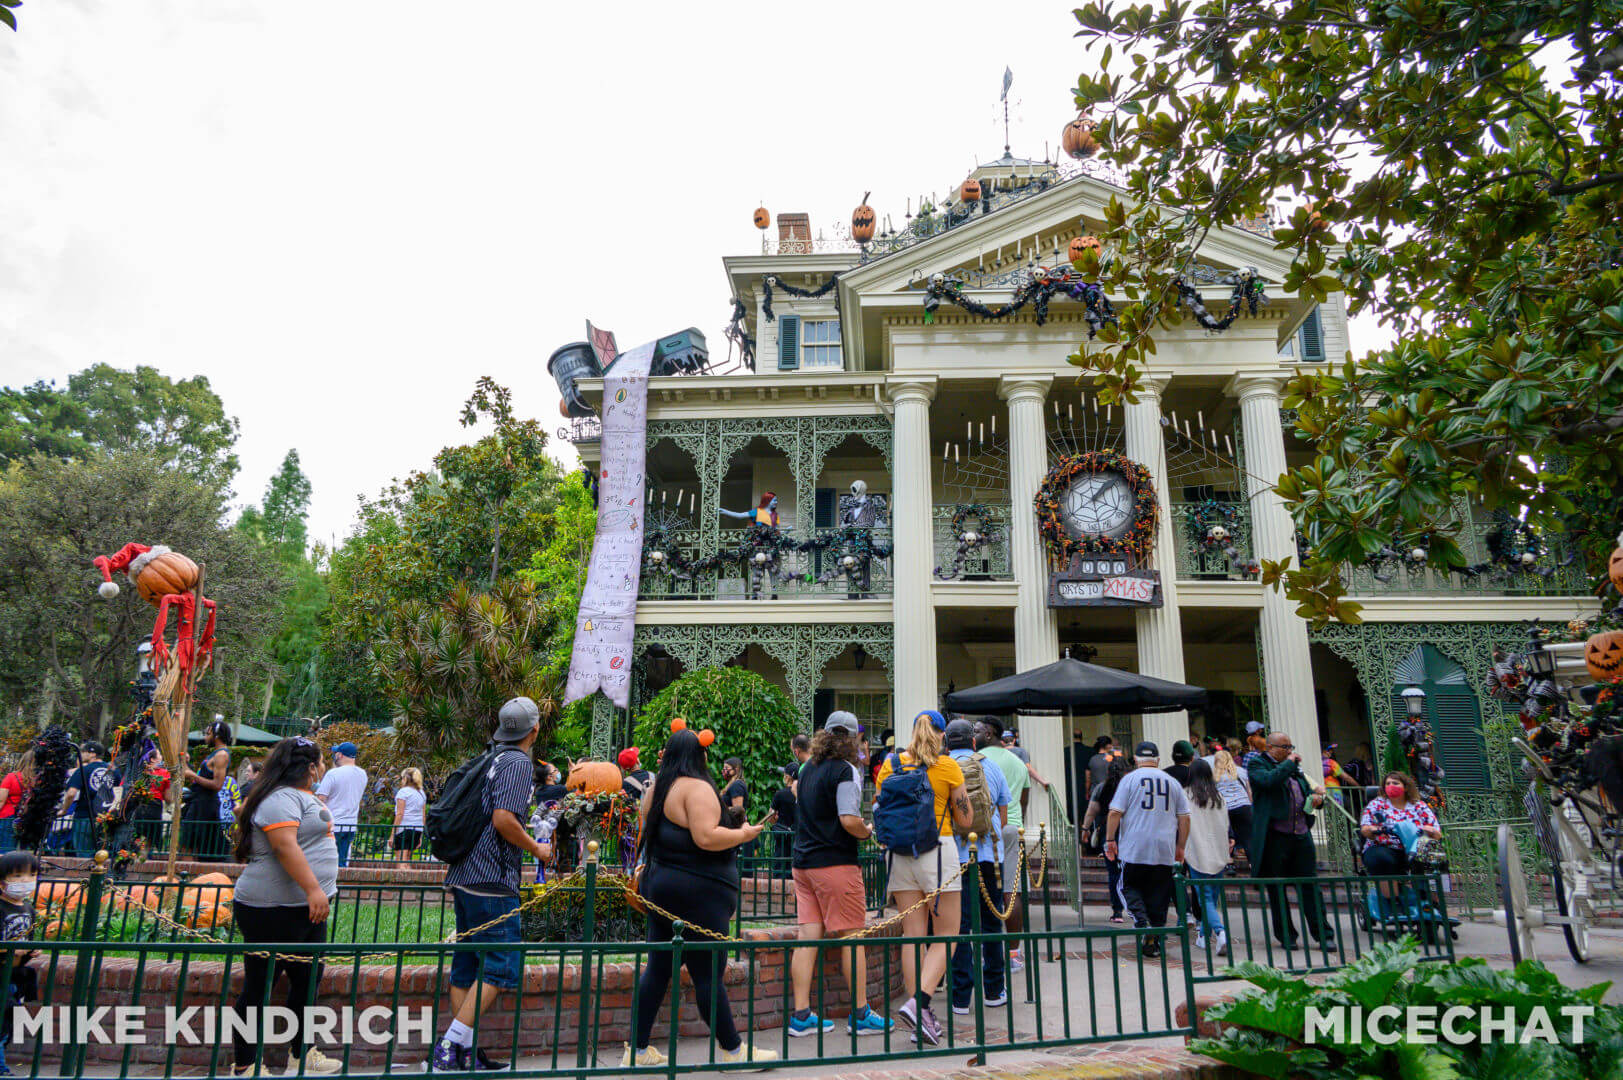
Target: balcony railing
(799, 574)
(1553, 574)
(1212, 540)
(977, 548)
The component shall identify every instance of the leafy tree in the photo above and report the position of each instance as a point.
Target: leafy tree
(55, 516)
(1458, 161)
(753, 719)
(104, 408)
(280, 522)
(558, 572)
(450, 666)
(497, 468)
(7, 16)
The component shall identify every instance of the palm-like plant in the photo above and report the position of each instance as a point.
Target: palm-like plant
(450, 666)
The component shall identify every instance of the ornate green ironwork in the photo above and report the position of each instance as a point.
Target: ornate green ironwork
(1196, 560)
(804, 650)
(805, 441)
(991, 561)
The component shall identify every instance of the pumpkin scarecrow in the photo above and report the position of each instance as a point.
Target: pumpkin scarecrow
(164, 579)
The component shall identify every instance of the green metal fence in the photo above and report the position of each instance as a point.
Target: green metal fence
(579, 999)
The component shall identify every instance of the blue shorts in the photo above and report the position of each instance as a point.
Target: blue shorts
(503, 967)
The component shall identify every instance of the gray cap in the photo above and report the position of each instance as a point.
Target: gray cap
(518, 718)
(1253, 727)
(960, 735)
(840, 720)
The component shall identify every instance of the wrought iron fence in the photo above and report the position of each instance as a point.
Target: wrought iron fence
(576, 1003)
(1204, 553)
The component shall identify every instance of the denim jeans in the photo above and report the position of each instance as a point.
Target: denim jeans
(1211, 901)
(343, 836)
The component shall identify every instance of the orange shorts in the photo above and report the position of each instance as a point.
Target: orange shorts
(832, 896)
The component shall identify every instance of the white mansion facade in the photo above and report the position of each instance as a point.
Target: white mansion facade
(952, 421)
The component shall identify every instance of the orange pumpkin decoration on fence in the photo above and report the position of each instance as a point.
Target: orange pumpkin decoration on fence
(1080, 245)
(863, 221)
(1614, 568)
(594, 777)
(1077, 138)
(970, 190)
(1603, 654)
(762, 219)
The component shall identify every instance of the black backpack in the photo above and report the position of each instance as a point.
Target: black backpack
(458, 817)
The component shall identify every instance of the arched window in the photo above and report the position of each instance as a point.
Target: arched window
(1452, 711)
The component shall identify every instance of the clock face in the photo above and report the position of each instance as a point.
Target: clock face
(1099, 504)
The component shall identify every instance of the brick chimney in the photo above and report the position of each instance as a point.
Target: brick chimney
(794, 234)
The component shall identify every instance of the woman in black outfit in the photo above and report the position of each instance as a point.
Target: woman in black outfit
(202, 832)
(692, 872)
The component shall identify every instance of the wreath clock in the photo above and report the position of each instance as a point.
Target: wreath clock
(1098, 502)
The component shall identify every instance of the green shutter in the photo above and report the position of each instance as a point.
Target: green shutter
(1456, 731)
(1311, 336)
(788, 342)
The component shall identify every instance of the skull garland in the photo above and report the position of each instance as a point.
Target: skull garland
(974, 527)
(849, 552)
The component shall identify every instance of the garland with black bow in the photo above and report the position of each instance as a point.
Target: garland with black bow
(1035, 292)
(1139, 538)
(972, 542)
(1214, 525)
(771, 281)
(1247, 296)
(739, 336)
(661, 555)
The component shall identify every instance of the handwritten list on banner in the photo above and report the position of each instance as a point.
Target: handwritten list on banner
(606, 624)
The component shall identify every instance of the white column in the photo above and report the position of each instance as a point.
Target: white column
(1160, 630)
(914, 674)
(1036, 630)
(1287, 665)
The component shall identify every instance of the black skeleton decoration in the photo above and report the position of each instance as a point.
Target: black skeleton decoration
(854, 558)
(1415, 736)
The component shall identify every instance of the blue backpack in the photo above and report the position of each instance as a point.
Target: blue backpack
(904, 818)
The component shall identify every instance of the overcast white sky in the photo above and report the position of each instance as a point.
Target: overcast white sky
(344, 212)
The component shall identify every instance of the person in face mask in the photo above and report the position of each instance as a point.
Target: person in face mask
(1384, 852)
(19, 876)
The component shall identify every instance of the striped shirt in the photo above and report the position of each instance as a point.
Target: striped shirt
(494, 866)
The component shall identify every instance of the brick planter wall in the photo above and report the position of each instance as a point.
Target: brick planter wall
(420, 985)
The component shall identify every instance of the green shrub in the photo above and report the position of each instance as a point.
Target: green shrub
(1265, 1031)
(753, 720)
(561, 916)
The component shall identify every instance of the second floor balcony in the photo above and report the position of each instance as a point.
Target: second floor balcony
(831, 563)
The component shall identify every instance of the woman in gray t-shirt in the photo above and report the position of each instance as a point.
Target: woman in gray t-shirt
(287, 888)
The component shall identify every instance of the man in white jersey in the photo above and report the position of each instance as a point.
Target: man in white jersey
(1146, 830)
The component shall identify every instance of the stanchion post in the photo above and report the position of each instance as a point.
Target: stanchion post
(73, 1049)
(588, 932)
(972, 896)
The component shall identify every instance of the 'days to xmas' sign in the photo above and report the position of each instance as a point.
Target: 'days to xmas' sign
(1099, 581)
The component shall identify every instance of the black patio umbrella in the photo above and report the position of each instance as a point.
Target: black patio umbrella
(1078, 688)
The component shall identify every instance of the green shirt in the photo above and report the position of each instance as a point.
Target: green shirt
(1014, 771)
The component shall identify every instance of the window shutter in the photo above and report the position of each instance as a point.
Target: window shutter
(1312, 337)
(823, 508)
(822, 705)
(1456, 730)
(788, 342)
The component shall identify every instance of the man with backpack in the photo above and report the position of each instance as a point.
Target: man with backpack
(988, 793)
(477, 826)
(89, 794)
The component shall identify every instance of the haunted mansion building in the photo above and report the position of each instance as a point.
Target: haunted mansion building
(901, 486)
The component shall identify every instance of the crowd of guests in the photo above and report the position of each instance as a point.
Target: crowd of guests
(1199, 812)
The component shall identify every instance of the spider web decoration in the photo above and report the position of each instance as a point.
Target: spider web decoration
(666, 519)
(976, 467)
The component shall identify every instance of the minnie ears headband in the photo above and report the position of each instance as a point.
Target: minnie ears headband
(706, 737)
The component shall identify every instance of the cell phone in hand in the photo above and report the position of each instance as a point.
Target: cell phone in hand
(771, 816)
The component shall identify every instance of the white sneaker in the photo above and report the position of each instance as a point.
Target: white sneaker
(1222, 944)
(648, 1055)
(994, 1002)
(1200, 940)
(746, 1052)
(315, 1064)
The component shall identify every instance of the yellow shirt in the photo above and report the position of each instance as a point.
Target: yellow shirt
(944, 776)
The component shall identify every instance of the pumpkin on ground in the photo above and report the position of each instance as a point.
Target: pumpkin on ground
(1603, 654)
(594, 777)
(58, 895)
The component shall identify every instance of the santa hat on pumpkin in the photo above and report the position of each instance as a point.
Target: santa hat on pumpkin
(130, 560)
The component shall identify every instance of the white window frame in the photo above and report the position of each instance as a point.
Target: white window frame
(820, 355)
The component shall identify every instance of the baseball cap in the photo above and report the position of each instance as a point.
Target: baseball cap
(348, 749)
(1008, 734)
(518, 718)
(628, 758)
(960, 735)
(1253, 727)
(1147, 749)
(840, 720)
(792, 770)
(936, 718)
